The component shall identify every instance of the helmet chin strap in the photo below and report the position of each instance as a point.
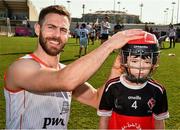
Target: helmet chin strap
(138, 80)
(130, 77)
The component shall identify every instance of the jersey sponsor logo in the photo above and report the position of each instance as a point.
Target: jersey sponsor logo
(131, 126)
(53, 122)
(144, 47)
(65, 107)
(48, 121)
(151, 103)
(134, 97)
(118, 104)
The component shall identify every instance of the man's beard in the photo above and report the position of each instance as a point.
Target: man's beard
(50, 51)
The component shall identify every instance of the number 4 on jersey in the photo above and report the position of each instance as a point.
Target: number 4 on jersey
(134, 105)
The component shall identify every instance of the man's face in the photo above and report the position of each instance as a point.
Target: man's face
(139, 67)
(54, 33)
(106, 19)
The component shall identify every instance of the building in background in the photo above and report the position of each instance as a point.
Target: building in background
(15, 10)
(17, 17)
(121, 16)
(20, 14)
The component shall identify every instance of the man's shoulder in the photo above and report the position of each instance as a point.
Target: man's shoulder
(18, 71)
(22, 64)
(26, 60)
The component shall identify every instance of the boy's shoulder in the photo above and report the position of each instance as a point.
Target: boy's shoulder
(156, 84)
(112, 81)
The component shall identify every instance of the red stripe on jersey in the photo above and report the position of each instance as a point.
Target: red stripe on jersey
(38, 60)
(130, 122)
(155, 84)
(13, 91)
(112, 80)
(5, 86)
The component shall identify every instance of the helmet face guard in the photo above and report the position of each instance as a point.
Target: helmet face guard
(146, 48)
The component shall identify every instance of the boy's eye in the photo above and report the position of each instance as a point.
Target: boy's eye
(134, 61)
(148, 62)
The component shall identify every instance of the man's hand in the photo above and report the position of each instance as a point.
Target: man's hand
(117, 69)
(119, 39)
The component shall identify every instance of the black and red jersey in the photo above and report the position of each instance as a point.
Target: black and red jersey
(133, 107)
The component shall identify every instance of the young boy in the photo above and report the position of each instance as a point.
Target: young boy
(134, 100)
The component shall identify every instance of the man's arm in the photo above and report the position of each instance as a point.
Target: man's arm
(159, 124)
(107, 25)
(88, 95)
(30, 76)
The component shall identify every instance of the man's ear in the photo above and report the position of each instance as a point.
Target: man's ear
(37, 28)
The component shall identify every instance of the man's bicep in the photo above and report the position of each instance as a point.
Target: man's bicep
(18, 73)
(28, 75)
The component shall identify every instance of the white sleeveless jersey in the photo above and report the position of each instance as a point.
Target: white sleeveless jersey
(27, 110)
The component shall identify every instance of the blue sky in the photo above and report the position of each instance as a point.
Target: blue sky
(152, 10)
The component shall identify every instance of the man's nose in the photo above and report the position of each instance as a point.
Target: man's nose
(57, 32)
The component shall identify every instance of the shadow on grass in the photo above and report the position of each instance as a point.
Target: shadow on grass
(16, 53)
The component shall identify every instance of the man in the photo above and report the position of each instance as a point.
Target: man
(172, 35)
(105, 26)
(38, 89)
(88, 27)
(118, 27)
(76, 33)
(92, 34)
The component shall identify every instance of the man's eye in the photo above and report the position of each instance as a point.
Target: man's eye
(51, 27)
(64, 30)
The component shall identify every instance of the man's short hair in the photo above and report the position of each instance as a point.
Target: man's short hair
(58, 9)
(106, 17)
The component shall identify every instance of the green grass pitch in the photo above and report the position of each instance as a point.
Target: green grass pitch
(82, 116)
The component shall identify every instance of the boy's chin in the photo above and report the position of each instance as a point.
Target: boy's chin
(137, 79)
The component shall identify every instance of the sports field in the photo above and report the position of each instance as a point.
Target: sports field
(82, 116)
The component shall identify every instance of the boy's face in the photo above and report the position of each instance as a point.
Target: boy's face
(139, 67)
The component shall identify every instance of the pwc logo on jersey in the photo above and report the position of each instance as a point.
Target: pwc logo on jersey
(55, 121)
